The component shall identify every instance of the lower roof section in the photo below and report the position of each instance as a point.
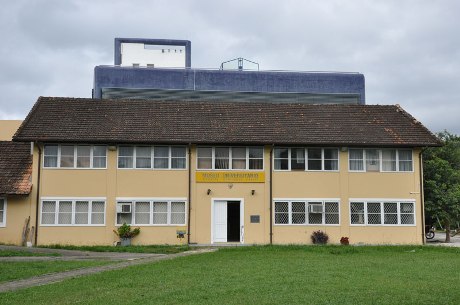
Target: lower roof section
(15, 168)
(57, 119)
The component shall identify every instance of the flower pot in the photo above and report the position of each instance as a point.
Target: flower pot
(124, 242)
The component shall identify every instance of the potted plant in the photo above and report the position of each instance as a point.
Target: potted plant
(319, 237)
(344, 241)
(125, 233)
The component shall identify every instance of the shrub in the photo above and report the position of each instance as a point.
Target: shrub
(344, 241)
(319, 237)
(125, 231)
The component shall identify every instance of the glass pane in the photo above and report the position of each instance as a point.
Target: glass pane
(160, 207)
(83, 156)
(178, 218)
(372, 160)
(315, 218)
(178, 163)
(204, 163)
(390, 210)
(331, 165)
(125, 162)
(178, 152)
(126, 151)
(81, 218)
(314, 159)
(124, 218)
(389, 160)
(160, 218)
(99, 151)
(356, 154)
(298, 158)
(281, 153)
(65, 212)
(50, 156)
(161, 163)
(407, 207)
(177, 207)
(48, 218)
(331, 154)
(238, 152)
(204, 152)
(97, 218)
(161, 151)
(238, 163)
(256, 163)
(374, 215)
(331, 210)
(98, 206)
(407, 219)
(99, 162)
(282, 164)
(49, 206)
(256, 152)
(405, 160)
(357, 212)
(143, 157)
(222, 158)
(81, 206)
(142, 215)
(281, 207)
(67, 157)
(298, 212)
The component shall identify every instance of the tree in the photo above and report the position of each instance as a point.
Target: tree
(442, 181)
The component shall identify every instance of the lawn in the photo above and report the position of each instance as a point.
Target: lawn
(10, 271)
(270, 275)
(160, 249)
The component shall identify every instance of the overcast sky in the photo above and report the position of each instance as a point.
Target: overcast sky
(408, 51)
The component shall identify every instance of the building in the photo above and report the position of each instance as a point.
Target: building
(160, 69)
(220, 172)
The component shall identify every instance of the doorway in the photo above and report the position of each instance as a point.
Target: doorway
(227, 221)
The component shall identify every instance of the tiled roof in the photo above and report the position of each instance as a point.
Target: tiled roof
(55, 119)
(15, 168)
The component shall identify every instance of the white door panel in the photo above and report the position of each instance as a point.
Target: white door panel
(220, 221)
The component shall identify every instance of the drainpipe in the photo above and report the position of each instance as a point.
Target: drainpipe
(38, 192)
(189, 190)
(271, 194)
(422, 194)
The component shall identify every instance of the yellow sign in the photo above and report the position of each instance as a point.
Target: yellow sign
(234, 177)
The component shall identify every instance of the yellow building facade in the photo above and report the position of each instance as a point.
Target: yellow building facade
(216, 191)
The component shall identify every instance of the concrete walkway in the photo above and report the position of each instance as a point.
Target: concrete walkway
(127, 261)
(439, 240)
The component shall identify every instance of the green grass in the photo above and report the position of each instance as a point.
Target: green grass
(9, 253)
(160, 249)
(10, 271)
(270, 275)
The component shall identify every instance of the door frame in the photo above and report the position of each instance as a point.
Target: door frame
(241, 200)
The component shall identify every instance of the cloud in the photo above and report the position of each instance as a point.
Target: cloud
(409, 51)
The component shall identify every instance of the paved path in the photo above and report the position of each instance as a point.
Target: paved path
(440, 237)
(60, 276)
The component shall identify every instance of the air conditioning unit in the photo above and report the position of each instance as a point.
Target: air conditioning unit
(123, 208)
(315, 208)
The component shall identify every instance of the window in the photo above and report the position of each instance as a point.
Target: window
(2, 212)
(230, 158)
(310, 159)
(75, 156)
(307, 212)
(73, 212)
(151, 212)
(380, 160)
(152, 157)
(375, 212)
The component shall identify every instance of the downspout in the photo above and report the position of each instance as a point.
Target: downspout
(422, 194)
(189, 191)
(271, 195)
(38, 193)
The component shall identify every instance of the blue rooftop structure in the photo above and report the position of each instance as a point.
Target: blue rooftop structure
(162, 80)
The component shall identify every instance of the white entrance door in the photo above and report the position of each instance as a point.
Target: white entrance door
(220, 221)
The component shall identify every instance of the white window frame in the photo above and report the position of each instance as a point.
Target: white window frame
(306, 160)
(230, 158)
(74, 157)
(152, 160)
(151, 200)
(382, 201)
(3, 221)
(380, 160)
(73, 200)
(306, 201)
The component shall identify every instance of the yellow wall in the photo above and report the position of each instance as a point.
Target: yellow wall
(113, 183)
(8, 129)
